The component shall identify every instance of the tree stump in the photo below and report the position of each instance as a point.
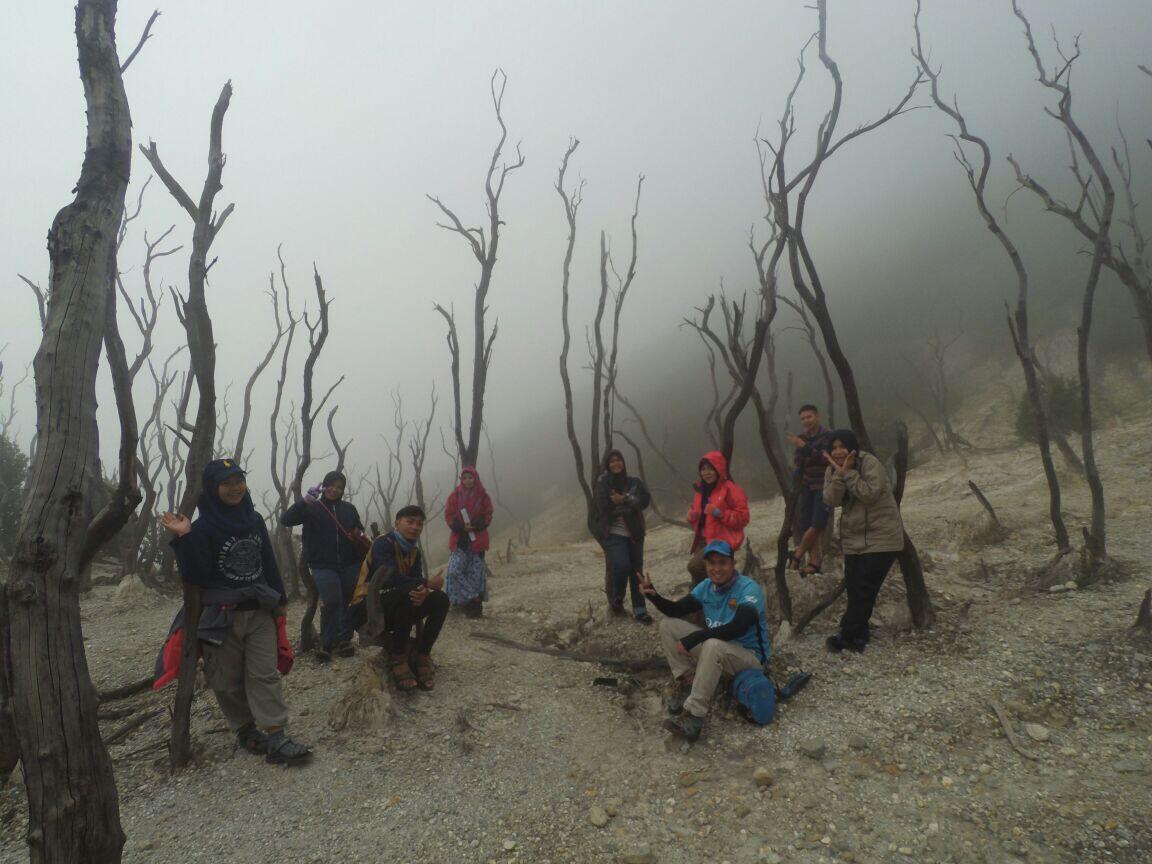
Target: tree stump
(367, 705)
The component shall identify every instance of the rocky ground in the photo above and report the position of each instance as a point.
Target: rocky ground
(890, 756)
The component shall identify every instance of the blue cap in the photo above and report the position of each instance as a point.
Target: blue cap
(719, 546)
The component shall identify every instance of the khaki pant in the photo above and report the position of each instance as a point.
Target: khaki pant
(242, 672)
(710, 659)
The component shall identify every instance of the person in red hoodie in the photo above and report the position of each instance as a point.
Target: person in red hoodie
(468, 513)
(719, 511)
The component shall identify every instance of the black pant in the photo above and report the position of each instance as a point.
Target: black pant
(864, 574)
(400, 616)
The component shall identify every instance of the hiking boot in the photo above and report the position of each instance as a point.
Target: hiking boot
(686, 726)
(282, 750)
(835, 643)
(323, 655)
(681, 689)
(643, 617)
(856, 645)
(345, 649)
(616, 608)
(252, 739)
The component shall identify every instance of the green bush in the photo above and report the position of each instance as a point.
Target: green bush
(13, 470)
(1062, 403)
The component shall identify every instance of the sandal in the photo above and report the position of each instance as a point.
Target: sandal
(402, 673)
(282, 750)
(252, 740)
(811, 570)
(795, 562)
(425, 672)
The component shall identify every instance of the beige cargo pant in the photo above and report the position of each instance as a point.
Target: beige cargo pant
(242, 672)
(709, 660)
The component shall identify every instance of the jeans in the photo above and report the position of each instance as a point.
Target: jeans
(626, 558)
(335, 588)
(864, 575)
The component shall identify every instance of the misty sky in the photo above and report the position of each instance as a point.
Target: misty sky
(346, 114)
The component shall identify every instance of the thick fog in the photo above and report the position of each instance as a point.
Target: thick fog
(347, 114)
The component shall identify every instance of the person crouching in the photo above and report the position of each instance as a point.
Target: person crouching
(735, 637)
(398, 597)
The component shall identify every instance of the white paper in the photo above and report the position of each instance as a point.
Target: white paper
(464, 515)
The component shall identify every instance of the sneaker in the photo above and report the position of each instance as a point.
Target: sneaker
(643, 617)
(681, 689)
(345, 649)
(835, 643)
(252, 740)
(323, 655)
(856, 645)
(686, 726)
(616, 608)
(282, 750)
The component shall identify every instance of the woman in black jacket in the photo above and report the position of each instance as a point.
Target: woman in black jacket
(227, 554)
(620, 502)
(333, 543)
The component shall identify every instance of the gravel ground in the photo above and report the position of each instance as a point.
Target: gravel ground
(890, 756)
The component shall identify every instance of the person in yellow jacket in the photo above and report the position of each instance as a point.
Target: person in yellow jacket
(871, 532)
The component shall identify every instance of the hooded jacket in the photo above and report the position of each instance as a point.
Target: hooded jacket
(631, 510)
(729, 499)
(869, 516)
(479, 506)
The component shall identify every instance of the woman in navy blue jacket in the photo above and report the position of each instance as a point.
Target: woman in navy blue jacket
(333, 542)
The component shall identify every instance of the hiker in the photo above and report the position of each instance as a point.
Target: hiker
(871, 532)
(227, 554)
(396, 596)
(468, 513)
(811, 511)
(620, 501)
(334, 546)
(719, 511)
(735, 637)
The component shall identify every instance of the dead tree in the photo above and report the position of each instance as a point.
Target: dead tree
(484, 246)
(604, 359)
(1018, 323)
(787, 199)
(341, 451)
(1097, 192)
(47, 700)
(282, 536)
(643, 475)
(192, 310)
(808, 330)
(317, 336)
(418, 450)
(388, 485)
(934, 373)
(246, 416)
(9, 416)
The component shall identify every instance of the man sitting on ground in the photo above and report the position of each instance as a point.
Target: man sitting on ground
(811, 511)
(735, 636)
(399, 596)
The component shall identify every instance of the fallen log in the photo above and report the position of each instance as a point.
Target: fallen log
(645, 665)
(807, 617)
(126, 690)
(132, 725)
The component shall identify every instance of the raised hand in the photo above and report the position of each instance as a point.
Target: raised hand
(175, 524)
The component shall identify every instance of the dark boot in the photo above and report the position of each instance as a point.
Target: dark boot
(686, 726)
(252, 739)
(681, 689)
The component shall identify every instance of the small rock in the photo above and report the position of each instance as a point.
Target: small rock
(857, 742)
(763, 777)
(1061, 588)
(641, 854)
(1037, 731)
(598, 817)
(814, 748)
(687, 778)
(771, 858)
(509, 845)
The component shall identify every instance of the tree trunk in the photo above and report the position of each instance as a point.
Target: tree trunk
(73, 811)
(180, 742)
